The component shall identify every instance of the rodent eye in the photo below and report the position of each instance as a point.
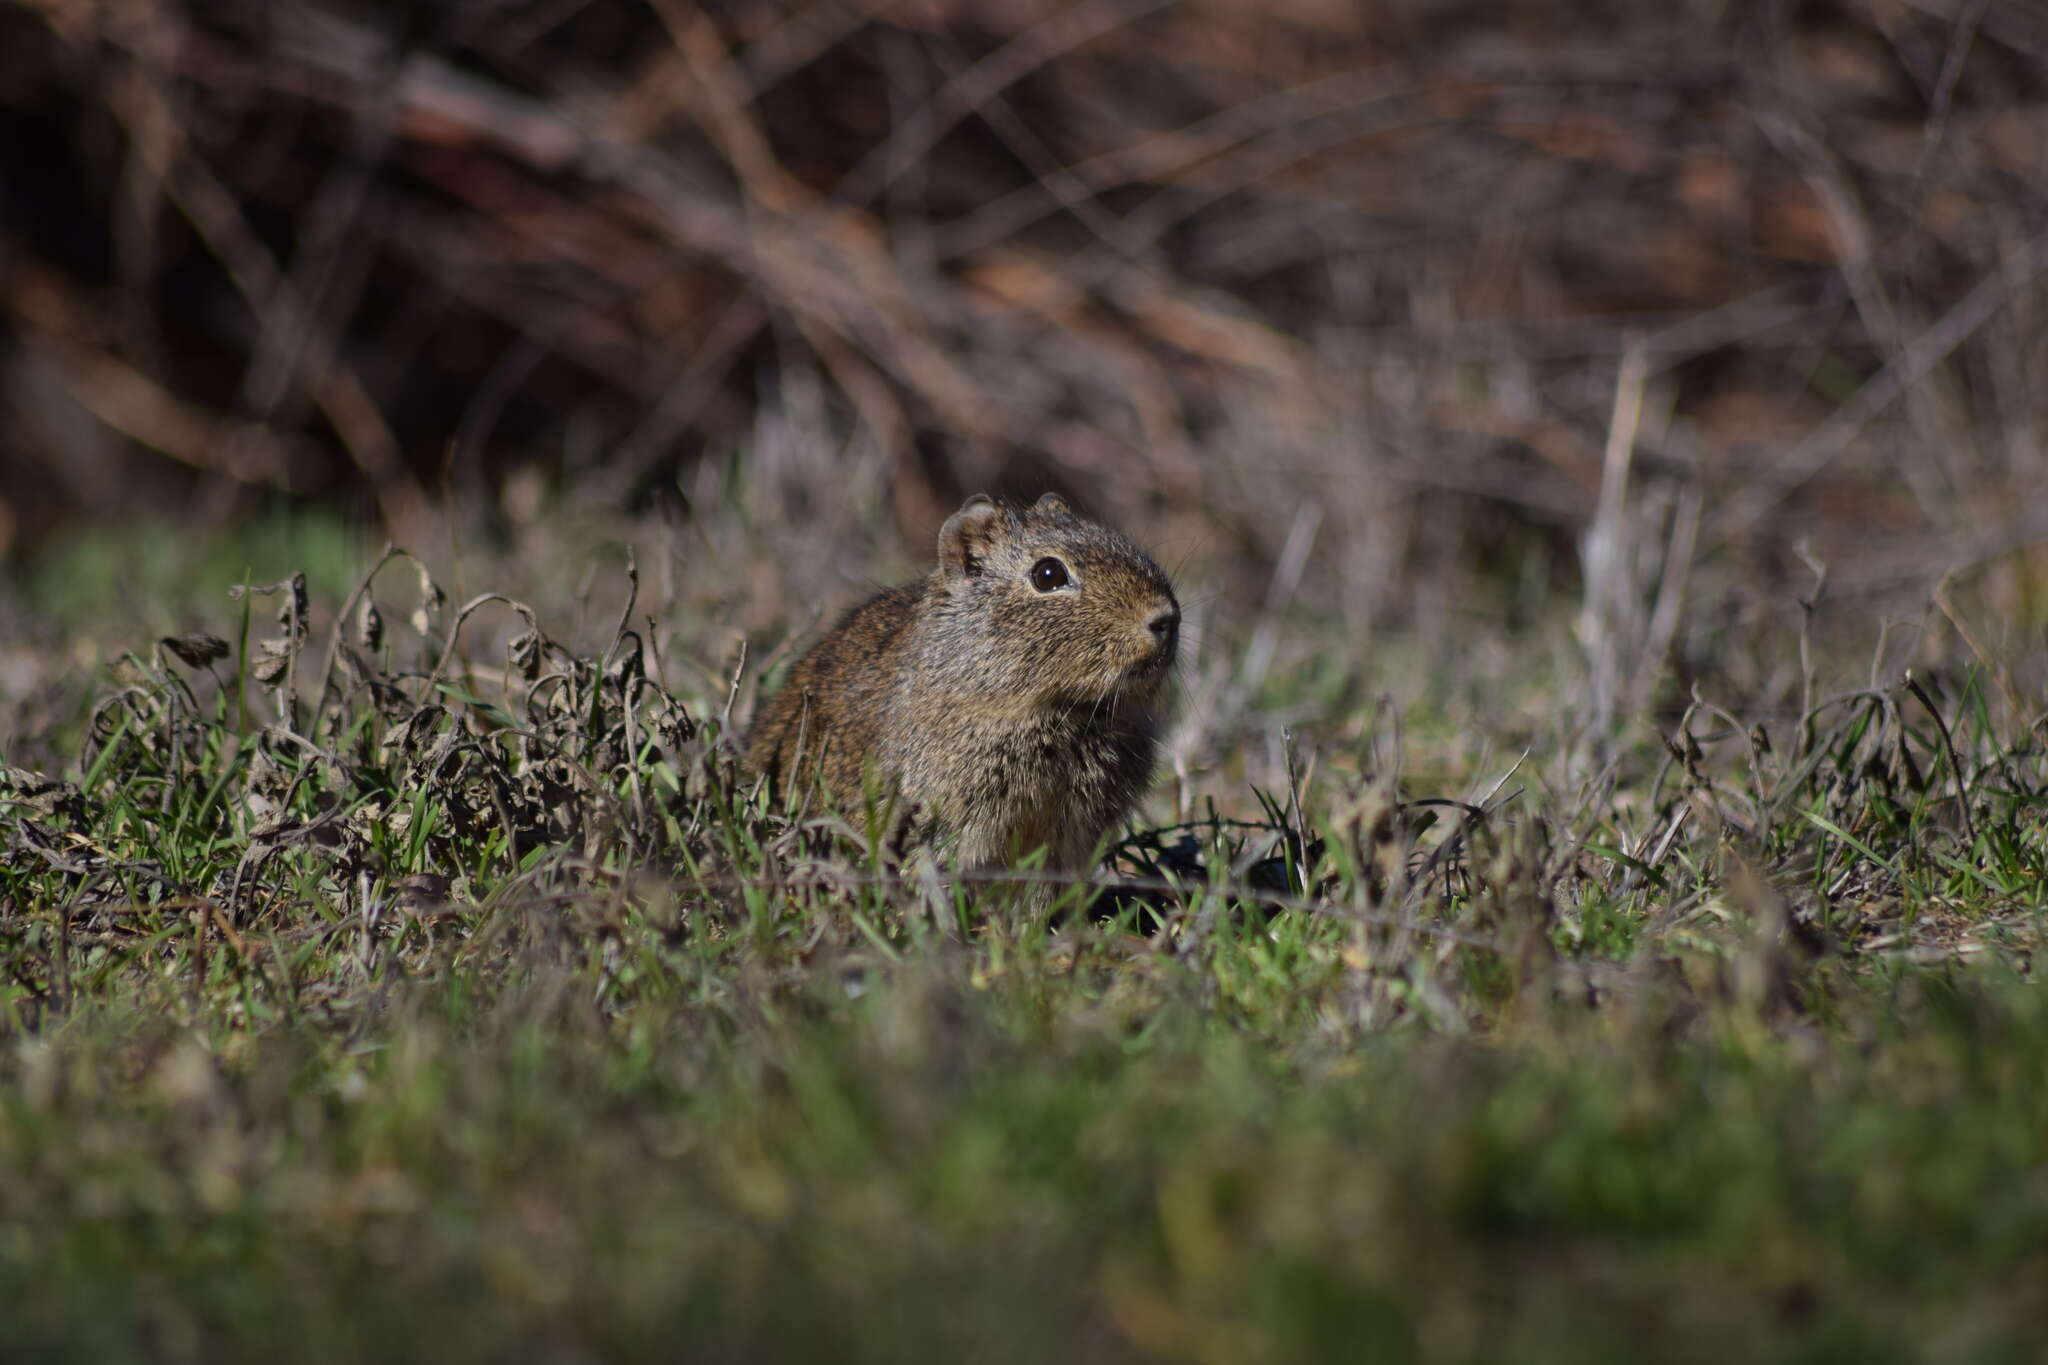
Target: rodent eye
(1048, 574)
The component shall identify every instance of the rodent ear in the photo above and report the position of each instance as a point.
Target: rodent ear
(1053, 505)
(968, 536)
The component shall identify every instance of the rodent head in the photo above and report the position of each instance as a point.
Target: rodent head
(1043, 604)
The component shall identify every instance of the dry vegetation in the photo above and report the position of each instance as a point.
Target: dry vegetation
(1591, 908)
(1208, 264)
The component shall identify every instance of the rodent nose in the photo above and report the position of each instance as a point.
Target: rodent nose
(1165, 625)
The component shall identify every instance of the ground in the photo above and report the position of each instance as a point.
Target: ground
(464, 1002)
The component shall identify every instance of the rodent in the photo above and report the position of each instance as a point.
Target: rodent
(1014, 694)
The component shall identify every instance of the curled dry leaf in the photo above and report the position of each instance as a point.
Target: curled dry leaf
(274, 663)
(432, 599)
(197, 650)
(525, 651)
(369, 626)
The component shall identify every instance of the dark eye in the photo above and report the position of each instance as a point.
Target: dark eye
(1047, 574)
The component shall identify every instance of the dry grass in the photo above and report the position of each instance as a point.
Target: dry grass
(396, 981)
(1204, 265)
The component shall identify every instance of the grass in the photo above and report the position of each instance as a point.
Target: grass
(396, 994)
(167, 570)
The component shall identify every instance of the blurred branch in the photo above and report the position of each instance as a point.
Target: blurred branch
(970, 90)
(1913, 362)
(270, 294)
(1191, 263)
(139, 407)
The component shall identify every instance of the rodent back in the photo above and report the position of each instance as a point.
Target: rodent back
(828, 713)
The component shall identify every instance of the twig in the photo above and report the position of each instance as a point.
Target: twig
(1912, 364)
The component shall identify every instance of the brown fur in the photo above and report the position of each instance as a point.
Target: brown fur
(1013, 718)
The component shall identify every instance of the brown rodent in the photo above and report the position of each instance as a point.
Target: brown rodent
(1012, 693)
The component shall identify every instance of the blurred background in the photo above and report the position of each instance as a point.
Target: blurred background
(1410, 315)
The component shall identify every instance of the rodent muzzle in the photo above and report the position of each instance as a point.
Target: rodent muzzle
(1164, 628)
